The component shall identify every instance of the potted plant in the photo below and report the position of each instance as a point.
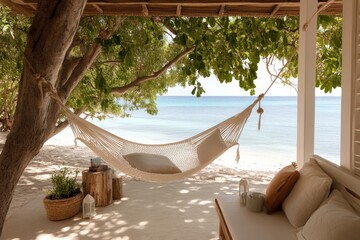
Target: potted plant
(65, 197)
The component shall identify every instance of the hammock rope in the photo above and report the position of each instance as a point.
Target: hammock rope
(323, 7)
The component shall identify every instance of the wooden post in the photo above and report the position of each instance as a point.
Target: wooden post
(306, 82)
(117, 188)
(350, 91)
(99, 186)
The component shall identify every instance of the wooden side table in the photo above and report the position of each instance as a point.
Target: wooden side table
(117, 188)
(99, 186)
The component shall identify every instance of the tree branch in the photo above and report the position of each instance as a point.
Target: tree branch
(140, 80)
(68, 67)
(86, 62)
(270, 62)
(69, 62)
(79, 71)
(59, 128)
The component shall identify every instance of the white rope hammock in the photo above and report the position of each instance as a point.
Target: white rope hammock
(163, 162)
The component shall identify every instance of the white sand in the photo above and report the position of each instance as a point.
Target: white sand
(179, 210)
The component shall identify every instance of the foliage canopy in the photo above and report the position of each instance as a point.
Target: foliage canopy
(143, 57)
(13, 31)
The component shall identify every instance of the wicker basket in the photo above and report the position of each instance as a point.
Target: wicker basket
(63, 208)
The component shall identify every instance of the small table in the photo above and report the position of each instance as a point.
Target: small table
(99, 186)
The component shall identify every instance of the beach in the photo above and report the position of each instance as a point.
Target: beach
(161, 200)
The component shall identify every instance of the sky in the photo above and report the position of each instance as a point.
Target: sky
(214, 88)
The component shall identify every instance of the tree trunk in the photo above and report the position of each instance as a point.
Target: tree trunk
(36, 114)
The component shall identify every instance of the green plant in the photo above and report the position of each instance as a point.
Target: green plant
(64, 184)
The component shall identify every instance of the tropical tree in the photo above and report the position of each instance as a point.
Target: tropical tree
(13, 31)
(329, 53)
(93, 62)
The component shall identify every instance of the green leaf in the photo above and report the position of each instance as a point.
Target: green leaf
(100, 82)
(117, 39)
(122, 54)
(211, 21)
(104, 105)
(189, 41)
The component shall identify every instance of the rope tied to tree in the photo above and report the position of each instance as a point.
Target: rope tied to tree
(45, 86)
(41, 81)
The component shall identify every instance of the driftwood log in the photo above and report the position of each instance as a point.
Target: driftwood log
(99, 186)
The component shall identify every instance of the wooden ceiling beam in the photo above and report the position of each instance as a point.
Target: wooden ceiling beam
(33, 6)
(186, 2)
(275, 10)
(99, 9)
(178, 10)
(145, 10)
(192, 2)
(22, 2)
(177, 2)
(222, 10)
(200, 8)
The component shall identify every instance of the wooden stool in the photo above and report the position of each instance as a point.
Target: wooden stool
(99, 186)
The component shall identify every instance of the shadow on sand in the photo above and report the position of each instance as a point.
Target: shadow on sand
(177, 210)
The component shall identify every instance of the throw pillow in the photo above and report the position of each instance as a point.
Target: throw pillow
(311, 189)
(151, 163)
(333, 220)
(280, 187)
(211, 147)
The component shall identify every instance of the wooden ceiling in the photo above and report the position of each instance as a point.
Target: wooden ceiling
(192, 8)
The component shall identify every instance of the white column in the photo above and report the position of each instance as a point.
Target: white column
(348, 77)
(306, 82)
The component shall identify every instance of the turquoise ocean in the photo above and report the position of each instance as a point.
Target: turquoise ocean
(180, 117)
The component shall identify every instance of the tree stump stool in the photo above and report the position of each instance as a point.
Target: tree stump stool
(117, 188)
(99, 186)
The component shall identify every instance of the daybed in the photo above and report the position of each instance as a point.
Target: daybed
(238, 223)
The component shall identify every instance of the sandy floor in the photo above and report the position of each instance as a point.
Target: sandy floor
(220, 177)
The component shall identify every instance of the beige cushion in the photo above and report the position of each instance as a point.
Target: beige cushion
(151, 163)
(280, 187)
(211, 147)
(247, 225)
(335, 220)
(311, 189)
